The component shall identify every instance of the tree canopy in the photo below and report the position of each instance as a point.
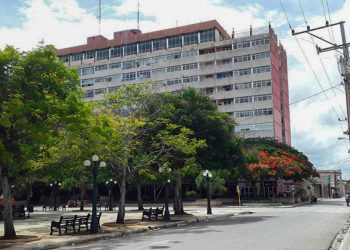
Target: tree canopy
(38, 96)
(270, 158)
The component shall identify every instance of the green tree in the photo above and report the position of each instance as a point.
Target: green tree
(217, 182)
(38, 95)
(136, 137)
(191, 109)
(268, 158)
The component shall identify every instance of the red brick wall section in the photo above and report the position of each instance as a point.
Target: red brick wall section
(286, 109)
(133, 36)
(276, 100)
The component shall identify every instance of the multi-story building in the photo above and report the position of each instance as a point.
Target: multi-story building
(244, 74)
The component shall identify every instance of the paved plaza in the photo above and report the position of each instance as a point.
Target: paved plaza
(39, 224)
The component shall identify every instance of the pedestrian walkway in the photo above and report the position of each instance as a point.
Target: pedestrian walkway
(39, 225)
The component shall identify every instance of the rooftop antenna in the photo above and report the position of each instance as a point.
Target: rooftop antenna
(99, 17)
(138, 14)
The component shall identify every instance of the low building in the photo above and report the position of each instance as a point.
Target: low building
(331, 183)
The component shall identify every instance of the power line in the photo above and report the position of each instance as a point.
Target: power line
(323, 66)
(316, 94)
(309, 64)
(332, 163)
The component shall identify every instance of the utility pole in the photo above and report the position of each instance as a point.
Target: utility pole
(343, 61)
(99, 16)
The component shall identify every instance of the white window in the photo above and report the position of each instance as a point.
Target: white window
(115, 65)
(245, 85)
(243, 99)
(173, 68)
(158, 71)
(89, 93)
(260, 112)
(129, 76)
(174, 81)
(241, 45)
(190, 66)
(261, 83)
(244, 113)
(189, 53)
(87, 71)
(242, 72)
(209, 90)
(227, 87)
(101, 67)
(144, 74)
(260, 42)
(262, 69)
(100, 91)
(261, 98)
(87, 82)
(190, 79)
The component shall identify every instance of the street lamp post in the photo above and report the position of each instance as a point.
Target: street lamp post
(87, 163)
(166, 192)
(207, 174)
(55, 186)
(110, 184)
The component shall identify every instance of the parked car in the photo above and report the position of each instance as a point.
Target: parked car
(313, 199)
(72, 203)
(336, 195)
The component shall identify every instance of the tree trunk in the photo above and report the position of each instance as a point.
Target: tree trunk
(254, 188)
(154, 193)
(28, 194)
(82, 195)
(121, 208)
(139, 195)
(261, 194)
(9, 229)
(178, 206)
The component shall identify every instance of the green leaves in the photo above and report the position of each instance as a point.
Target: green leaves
(34, 104)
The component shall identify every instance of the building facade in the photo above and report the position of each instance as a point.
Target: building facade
(331, 184)
(244, 74)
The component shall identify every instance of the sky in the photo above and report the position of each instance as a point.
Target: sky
(316, 90)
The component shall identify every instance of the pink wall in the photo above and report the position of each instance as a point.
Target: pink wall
(279, 62)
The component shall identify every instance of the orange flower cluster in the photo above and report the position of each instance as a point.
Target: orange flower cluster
(281, 164)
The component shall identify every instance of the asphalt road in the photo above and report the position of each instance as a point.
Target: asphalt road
(306, 227)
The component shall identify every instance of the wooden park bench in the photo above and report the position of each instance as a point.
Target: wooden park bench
(67, 223)
(152, 213)
(83, 221)
(18, 212)
(71, 223)
(98, 220)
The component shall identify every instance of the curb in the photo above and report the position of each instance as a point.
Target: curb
(106, 236)
(338, 242)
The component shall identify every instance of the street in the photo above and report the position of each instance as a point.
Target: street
(305, 227)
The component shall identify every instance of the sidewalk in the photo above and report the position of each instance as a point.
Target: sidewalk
(342, 240)
(39, 225)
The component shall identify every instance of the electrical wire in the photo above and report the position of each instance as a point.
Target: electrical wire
(309, 64)
(323, 66)
(316, 94)
(338, 161)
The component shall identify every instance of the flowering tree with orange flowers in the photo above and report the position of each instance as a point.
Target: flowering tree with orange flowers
(280, 165)
(274, 160)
